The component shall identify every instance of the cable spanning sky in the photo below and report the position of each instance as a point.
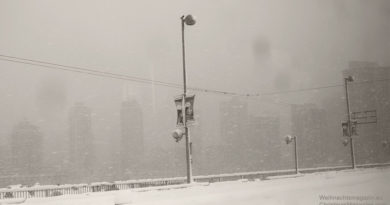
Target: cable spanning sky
(105, 74)
(236, 47)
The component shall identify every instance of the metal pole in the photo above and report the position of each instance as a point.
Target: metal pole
(349, 124)
(187, 134)
(296, 155)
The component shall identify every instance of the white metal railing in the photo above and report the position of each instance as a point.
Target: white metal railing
(56, 190)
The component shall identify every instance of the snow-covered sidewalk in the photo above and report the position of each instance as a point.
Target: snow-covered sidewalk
(362, 186)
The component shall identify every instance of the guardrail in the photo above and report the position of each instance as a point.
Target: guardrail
(53, 190)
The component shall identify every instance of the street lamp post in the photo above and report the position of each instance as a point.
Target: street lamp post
(188, 20)
(296, 154)
(289, 139)
(346, 80)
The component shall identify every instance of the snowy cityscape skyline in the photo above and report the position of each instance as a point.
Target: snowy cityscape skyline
(102, 96)
(243, 135)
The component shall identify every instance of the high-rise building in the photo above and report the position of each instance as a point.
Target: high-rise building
(309, 125)
(197, 146)
(370, 91)
(81, 144)
(233, 121)
(132, 136)
(264, 142)
(26, 148)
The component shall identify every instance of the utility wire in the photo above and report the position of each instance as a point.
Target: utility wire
(137, 79)
(78, 71)
(107, 74)
(324, 87)
(302, 90)
(93, 72)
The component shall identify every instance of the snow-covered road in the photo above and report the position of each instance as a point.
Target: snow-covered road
(346, 186)
(364, 186)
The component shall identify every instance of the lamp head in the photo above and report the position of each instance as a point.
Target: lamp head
(177, 134)
(288, 139)
(189, 20)
(349, 79)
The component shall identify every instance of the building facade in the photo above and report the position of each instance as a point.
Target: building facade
(263, 142)
(233, 124)
(233, 119)
(309, 125)
(26, 149)
(81, 143)
(132, 137)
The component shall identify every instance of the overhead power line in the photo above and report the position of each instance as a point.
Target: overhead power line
(93, 72)
(84, 70)
(302, 90)
(323, 87)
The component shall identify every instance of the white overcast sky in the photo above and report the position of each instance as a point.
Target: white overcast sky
(244, 46)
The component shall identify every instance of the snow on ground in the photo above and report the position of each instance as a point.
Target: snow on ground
(362, 186)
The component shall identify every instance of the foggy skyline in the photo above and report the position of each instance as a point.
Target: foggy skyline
(256, 46)
(249, 46)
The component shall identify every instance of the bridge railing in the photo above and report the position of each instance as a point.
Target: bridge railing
(56, 190)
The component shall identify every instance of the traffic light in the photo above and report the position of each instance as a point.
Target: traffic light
(354, 128)
(344, 125)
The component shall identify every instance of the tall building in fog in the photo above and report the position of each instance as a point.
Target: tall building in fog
(370, 91)
(3, 161)
(233, 121)
(263, 142)
(196, 134)
(132, 135)
(309, 124)
(26, 148)
(81, 147)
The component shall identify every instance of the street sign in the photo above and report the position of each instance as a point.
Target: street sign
(365, 117)
(189, 109)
